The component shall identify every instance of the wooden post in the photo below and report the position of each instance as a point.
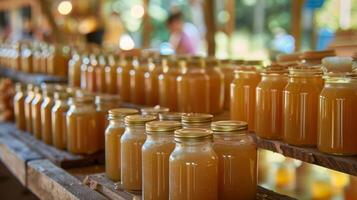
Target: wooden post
(147, 28)
(210, 26)
(296, 12)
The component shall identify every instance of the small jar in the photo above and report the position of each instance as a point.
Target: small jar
(193, 166)
(81, 119)
(57, 60)
(74, 70)
(197, 120)
(103, 104)
(110, 72)
(269, 102)
(301, 96)
(123, 78)
(19, 107)
(26, 58)
(130, 145)
(227, 68)
(100, 74)
(91, 79)
(152, 82)
(171, 116)
(237, 155)
(36, 113)
(154, 110)
(155, 158)
(46, 116)
(113, 133)
(137, 78)
(216, 85)
(30, 95)
(58, 115)
(84, 69)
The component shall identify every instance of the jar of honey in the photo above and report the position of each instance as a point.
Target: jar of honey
(26, 58)
(154, 110)
(137, 80)
(130, 145)
(57, 60)
(216, 84)
(227, 67)
(168, 84)
(243, 91)
(197, 120)
(313, 58)
(46, 116)
(19, 107)
(237, 160)
(113, 132)
(155, 158)
(338, 110)
(171, 116)
(84, 66)
(100, 74)
(91, 80)
(269, 102)
(301, 96)
(36, 112)
(152, 82)
(193, 166)
(103, 104)
(193, 87)
(74, 70)
(30, 95)
(289, 60)
(58, 116)
(43, 58)
(111, 75)
(81, 119)
(123, 78)
(36, 59)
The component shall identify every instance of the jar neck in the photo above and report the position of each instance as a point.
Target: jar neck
(273, 77)
(161, 136)
(136, 130)
(117, 122)
(194, 143)
(231, 136)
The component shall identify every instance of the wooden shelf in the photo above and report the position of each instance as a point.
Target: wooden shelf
(26, 78)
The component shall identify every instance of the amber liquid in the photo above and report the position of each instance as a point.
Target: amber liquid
(137, 88)
(74, 72)
(123, 83)
(155, 158)
(193, 91)
(152, 86)
(193, 172)
(337, 119)
(168, 89)
(100, 79)
(216, 83)
(36, 116)
(84, 68)
(243, 94)
(237, 169)
(19, 110)
(111, 80)
(91, 78)
(113, 134)
(269, 106)
(228, 79)
(59, 127)
(301, 97)
(46, 120)
(131, 170)
(102, 123)
(28, 111)
(57, 64)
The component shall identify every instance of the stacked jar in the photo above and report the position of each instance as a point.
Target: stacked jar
(216, 85)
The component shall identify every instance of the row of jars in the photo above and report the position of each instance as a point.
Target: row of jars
(63, 117)
(42, 58)
(167, 162)
(299, 105)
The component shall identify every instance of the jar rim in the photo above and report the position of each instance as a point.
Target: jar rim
(172, 116)
(154, 110)
(228, 126)
(162, 127)
(121, 112)
(196, 118)
(138, 120)
(192, 134)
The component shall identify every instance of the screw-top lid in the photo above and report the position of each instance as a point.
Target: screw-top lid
(196, 118)
(171, 116)
(82, 100)
(138, 120)
(337, 64)
(228, 126)
(317, 55)
(121, 112)
(162, 126)
(192, 134)
(154, 110)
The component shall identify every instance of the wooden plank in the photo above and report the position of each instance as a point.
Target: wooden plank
(265, 194)
(47, 181)
(345, 164)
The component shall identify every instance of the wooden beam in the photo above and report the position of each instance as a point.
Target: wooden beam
(296, 13)
(210, 21)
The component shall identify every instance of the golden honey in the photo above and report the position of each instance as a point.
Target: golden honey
(26, 59)
(110, 72)
(19, 107)
(152, 83)
(46, 116)
(137, 78)
(193, 166)
(74, 70)
(123, 78)
(155, 158)
(84, 67)
(171, 116)
(57, 61)
(237, 160)
(216, 86)
(197, 120)
(113, 133)
(100, 74)
(36, 113)
(130, 144)
(58, 116)
(91, 79)
(28, 107)
(228, 71)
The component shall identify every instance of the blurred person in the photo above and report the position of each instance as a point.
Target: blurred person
(184, 36)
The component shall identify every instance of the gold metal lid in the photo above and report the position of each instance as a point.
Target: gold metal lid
(317, 55)
(30, 88)
(289, 59)
(162, 126)
(174, 116)
(337, 64)
(303, 70)
(61, 95)
(121, 112)
(196, 118)
(154, 110)
(192, 134)
(139, 120)
(275, 68)
(229, 126)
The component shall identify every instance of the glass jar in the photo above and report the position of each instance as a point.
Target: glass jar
(36, 113)
(269, 103)
(26, 59)
(300, 112)
(171, 116)
(313, 58)
(46, 117)
(19, 107)
(130, 146)
(30, 95)
(81, 119)
(111, 75)
(152, 82)
(84, 66)
(193, 88)
(197, 120)
(338, 114)
(168, 84)
(154, 110)
(103, 104)
(90, 83)
(58, 115)
(216, 86)
(43, 58)
(243, 95)
(100, 74)
(123, 78)
(36, 56)
(237, 155)
(193, 166)
(227, 67)
(137, 80)
(113, 133)
(74, 70)
(57, 61)
(289, 60)
(155, 158)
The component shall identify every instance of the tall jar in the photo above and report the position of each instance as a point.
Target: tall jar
(123, 78)
(171, 116)
(243, 95)
(193, 88)
(137, 79)
(81, 119)
(152, 82)
(269, 103)
(90, 82)
(131, 143)
(301, 97)
(111, 75)
(113, 133)
(237, 165)
(216, 86)
(193, 166)
(43, 58)
(30, 95)
(168, 84)
(36, 58)
(84, 69)
(19, 107)
(36, 112)
(197, 120)
(100, 74)
(58, 115)
(46, 117)
(154, 110)
(57, 61)
(26, 59)
(155, 158)
(103, 104)
(74, 70)
(227, 67)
